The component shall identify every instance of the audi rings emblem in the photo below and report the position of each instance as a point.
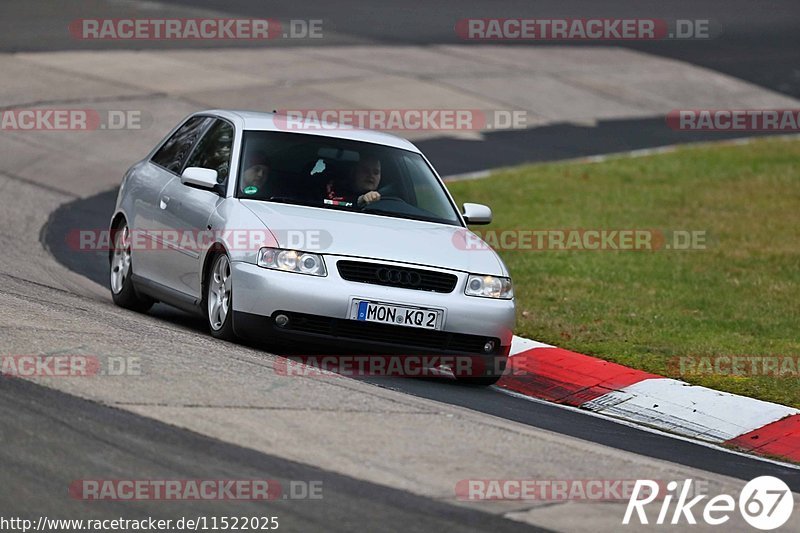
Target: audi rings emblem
(399, 277)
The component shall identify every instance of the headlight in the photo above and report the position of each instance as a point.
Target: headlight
(489, 287)
(292, 261)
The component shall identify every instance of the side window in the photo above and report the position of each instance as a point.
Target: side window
(214, 150)
(174, 152)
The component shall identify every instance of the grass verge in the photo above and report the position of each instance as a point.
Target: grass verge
(740, 296)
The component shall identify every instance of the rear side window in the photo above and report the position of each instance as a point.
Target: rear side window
(173, 153)
(214, 150)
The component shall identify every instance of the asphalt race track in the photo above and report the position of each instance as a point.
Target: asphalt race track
(387, 451)
(138, 444)
(754, 43)
(757, 41)
(93, 265)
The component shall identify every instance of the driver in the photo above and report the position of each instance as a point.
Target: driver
(363, 186)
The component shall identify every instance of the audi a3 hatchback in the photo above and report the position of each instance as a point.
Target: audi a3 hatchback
(328, 236)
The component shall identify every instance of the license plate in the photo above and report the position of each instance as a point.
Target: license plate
(399, 315)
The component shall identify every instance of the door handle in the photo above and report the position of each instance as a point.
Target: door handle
(164, 202)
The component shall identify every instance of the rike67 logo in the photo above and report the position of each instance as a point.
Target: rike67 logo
(766, 503)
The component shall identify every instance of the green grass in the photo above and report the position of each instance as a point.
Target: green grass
(740, 296)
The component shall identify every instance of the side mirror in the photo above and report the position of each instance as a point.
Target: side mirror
(477, 214)
(205, 178)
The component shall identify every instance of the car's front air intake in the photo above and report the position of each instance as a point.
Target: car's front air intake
(395, 276)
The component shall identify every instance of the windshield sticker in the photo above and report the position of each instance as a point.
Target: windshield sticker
(328, 201)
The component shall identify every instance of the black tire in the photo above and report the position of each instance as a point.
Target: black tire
(218, 299)
(121, 271)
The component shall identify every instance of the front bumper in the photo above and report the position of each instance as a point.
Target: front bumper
(259, 293)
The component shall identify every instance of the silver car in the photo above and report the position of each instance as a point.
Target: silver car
(323, 236)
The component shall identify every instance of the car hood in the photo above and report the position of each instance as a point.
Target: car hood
(376, 237)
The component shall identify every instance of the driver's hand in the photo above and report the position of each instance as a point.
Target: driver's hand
(369, 197)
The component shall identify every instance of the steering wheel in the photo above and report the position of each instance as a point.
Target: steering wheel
(388, 199)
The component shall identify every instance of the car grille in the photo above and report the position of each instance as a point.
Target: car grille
(386, 333)
(394, 276)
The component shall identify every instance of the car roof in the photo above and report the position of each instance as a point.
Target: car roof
(262, 121)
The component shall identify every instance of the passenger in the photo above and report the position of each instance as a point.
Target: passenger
(256, 174)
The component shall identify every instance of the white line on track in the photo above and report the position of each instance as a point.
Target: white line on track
(648, 429)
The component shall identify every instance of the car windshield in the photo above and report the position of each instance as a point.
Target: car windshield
(341, 174)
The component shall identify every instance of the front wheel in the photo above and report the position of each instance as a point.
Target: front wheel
(219, 299)
(122, 290)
